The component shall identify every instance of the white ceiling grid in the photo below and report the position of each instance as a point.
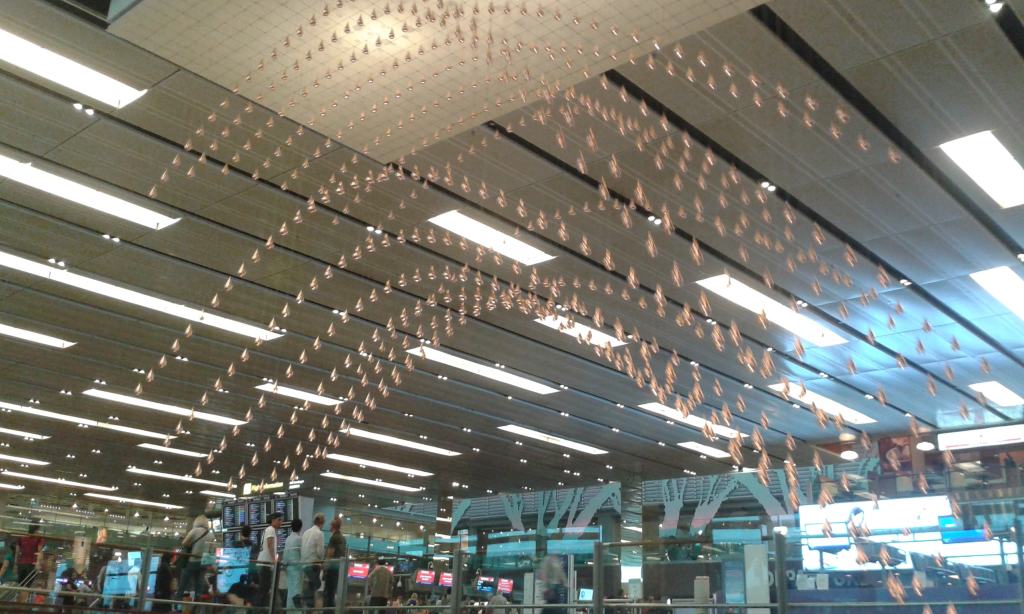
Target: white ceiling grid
(225, 42)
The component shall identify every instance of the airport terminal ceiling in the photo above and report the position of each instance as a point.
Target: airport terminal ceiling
(377, 248)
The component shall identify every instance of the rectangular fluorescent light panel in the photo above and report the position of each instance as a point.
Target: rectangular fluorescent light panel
(214, 493)
(22, 459)
(825, 404)
(66, 72)
(696, 422)
(169, 450)
(51, 183)
(22, 434)
(369, 482)
(109, 290)
(582, 332)
(127, 501)
(405, 443)
(344, 458)
(1005, 285)
(1007, 435)
(492, 239)
(174, 476)
(52, 415)
(62, 481)
(27, 335)
(295, 393)
(11, 487)
(998, 393)
(700, 448)
(750, 299)
(990, 165)
(499, 375)
(552, 439)
(162, 407)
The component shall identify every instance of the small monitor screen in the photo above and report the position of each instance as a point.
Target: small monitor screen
(505, 585)
(424, 576)
(586, 594)
(359, 570)
(446, 578)
(485, 584)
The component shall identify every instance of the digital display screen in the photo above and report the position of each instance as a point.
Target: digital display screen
(586, 594)
(860, 528)
(424, 576)
(229, 518)
(359, 571)
(446, 578)
(282, 506)
(240, 515)
(282, 535)
(485, 584)
(256, 512)
(953, 531)
(505, 585)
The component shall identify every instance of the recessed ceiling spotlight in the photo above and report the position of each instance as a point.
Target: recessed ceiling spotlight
(925, 446)
(995, 7)
(849, 455)
(906, 282)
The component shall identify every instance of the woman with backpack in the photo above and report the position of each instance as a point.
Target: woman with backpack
(190, 557)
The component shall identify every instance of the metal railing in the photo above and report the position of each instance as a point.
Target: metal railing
(457, 601)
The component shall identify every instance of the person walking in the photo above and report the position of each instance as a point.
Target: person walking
(555, 580)
(336, 549)
(162, 586)
(312, 559)
(7, 574)
(267, 559)
(379, 585)
(29, 548)
(292, 559)
(193, 547)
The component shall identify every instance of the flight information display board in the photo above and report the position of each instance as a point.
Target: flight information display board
(256, 512)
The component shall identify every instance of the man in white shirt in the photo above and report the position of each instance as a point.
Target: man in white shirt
(313, 550)
(268, 558)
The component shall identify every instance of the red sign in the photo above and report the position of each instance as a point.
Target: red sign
(424, 576)
(446, 578)
(359, 570)
(505, 585)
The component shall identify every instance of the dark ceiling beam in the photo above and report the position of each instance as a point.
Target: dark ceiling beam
(682, 125)
(1009, 22)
